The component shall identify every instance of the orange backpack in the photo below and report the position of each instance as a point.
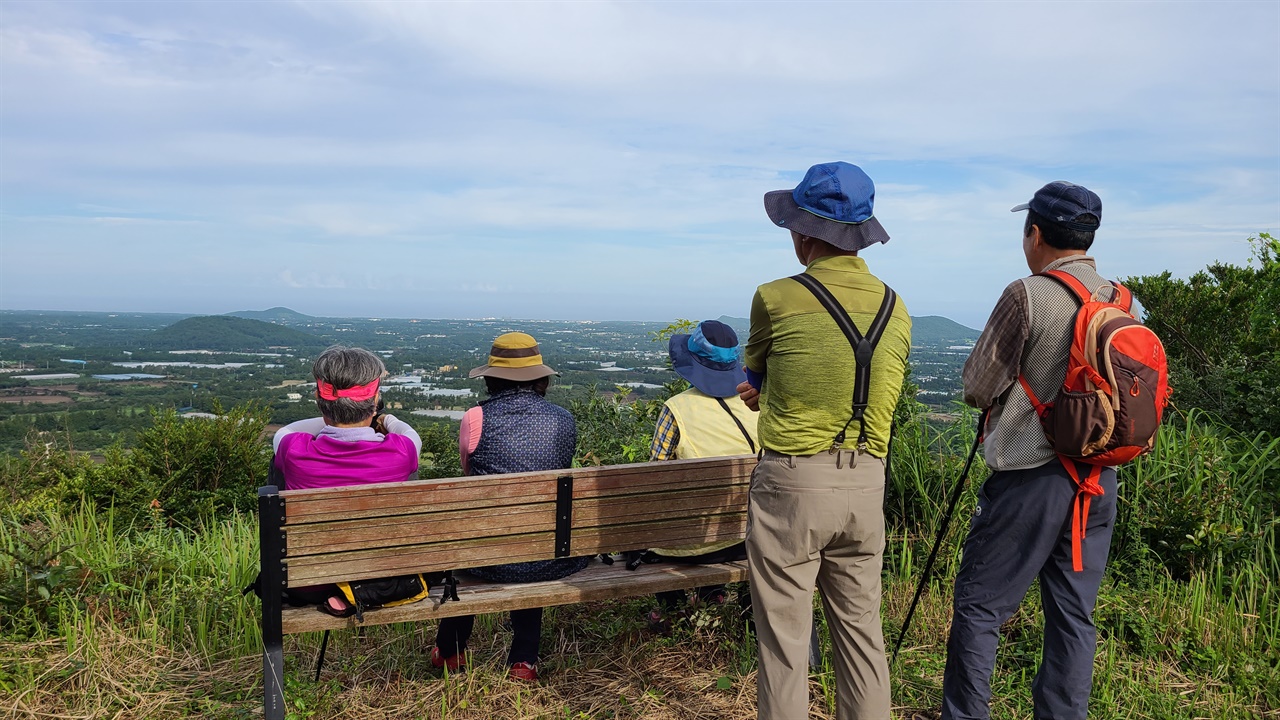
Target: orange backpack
(1112, 398)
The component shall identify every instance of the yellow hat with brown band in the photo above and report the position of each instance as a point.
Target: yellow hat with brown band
(514, 356)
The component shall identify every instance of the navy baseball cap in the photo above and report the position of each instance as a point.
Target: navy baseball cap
(833, 203)
(1062, 203)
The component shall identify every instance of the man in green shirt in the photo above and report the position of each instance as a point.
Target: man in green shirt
(816, 512)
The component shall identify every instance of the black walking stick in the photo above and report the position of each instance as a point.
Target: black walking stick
(942, 533)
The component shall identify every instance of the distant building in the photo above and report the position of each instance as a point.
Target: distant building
(49, 376)
(293, 397)
(446, 368)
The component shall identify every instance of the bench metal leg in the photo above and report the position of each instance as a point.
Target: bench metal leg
(271, 547)
(324, 643)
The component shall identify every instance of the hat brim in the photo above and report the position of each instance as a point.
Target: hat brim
(1020, 208)
(524, 374)
(785, 213)
(713, 382)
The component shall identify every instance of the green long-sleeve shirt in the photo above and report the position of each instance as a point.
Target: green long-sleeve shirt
(808, 365)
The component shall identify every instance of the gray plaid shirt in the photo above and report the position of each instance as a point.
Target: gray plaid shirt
(1029, 333)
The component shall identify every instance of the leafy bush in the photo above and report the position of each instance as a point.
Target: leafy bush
(1221, 328)
(612, 430)
(439, 451)
(182, 471)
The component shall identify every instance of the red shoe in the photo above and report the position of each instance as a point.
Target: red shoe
(527, 672)
(453, 663)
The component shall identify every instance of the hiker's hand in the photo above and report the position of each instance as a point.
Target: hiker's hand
(749, 395)
(379, 423)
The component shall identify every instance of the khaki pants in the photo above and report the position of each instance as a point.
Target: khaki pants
(818, 519)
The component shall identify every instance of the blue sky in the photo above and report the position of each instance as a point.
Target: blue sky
(606, 160)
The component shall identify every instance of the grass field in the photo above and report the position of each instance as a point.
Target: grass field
(148, 622)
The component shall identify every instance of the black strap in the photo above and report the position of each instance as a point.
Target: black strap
(450, 591)
(863, 349)
(564, 515)
(738, 422)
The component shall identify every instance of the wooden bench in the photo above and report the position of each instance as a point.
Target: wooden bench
(310, 537)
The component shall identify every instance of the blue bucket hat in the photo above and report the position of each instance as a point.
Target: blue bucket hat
(833, 203)
(708, 358)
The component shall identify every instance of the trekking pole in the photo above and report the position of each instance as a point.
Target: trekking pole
(942, 533)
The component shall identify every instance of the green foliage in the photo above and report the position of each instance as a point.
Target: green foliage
(612, 430)
(203, 467)
(39, 580)
(439, 451)
(1221, 328)
(1206, 498)
(183, 470)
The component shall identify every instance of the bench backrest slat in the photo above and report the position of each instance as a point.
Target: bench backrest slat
(430, 525)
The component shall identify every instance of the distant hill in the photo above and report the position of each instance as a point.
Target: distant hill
(224, 332)
(742, 326)
(931, 330)
(937, 330)
(275, 315)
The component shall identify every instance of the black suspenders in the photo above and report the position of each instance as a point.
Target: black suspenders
(863, 348)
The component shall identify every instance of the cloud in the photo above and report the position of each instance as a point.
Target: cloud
(615, 153)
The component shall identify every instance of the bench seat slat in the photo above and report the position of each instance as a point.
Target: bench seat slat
(597, 582)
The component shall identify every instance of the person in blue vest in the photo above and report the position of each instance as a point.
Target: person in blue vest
(515, 430)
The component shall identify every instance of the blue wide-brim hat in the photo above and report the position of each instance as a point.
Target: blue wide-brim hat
(708, 358)
(834, 203)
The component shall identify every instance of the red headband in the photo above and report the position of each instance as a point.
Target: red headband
(358, 393)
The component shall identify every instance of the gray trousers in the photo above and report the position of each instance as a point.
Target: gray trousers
(818, 520)
(1021, 530)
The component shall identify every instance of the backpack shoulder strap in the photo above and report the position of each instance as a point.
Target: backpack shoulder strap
(736, 421)
(1071, 283)
(1123, 297)
(863, 347)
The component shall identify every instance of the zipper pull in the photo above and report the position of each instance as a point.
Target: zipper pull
(1135, 390)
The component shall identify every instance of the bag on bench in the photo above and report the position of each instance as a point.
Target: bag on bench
(383, 592)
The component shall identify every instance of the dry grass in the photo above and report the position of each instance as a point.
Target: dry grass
(599, 663)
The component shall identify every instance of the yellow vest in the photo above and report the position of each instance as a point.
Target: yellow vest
(706, 430)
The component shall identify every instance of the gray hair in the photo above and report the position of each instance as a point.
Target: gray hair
(344, 367)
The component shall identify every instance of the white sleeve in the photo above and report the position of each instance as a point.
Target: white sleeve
(310, 426)
(400, 427)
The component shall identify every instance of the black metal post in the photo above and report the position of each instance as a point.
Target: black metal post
(271, 547)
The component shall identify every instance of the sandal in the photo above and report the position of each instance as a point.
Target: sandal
(337, 606)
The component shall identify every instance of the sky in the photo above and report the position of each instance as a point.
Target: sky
(599, 160)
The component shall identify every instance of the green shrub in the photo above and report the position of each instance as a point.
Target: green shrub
(1221, 328)
(183, 470)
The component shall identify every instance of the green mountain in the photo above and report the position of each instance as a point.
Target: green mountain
(224, 332)
(936, 330)
(930, 330)
(279, 315)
